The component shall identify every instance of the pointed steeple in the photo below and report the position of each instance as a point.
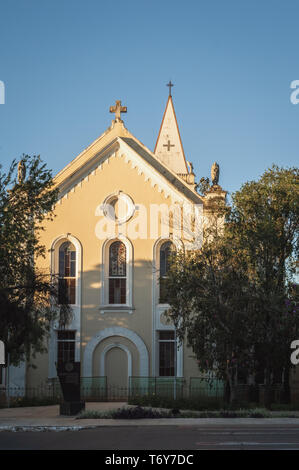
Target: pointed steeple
(169, 148)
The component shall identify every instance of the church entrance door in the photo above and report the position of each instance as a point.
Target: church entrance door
(116, 367)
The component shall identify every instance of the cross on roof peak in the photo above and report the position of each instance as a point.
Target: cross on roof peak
(118, 109)
(169, 86)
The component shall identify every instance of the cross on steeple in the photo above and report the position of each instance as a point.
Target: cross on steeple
(118, 109)
(168, 145)
(169, 149)
(169, 86)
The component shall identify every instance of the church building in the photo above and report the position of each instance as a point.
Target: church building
(122, 209)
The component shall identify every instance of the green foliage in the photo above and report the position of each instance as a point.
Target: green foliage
(263, 225)
(203, 186)
(199, 403)
(126, 413)
(27, 296)
(148, 413)
(234, 298)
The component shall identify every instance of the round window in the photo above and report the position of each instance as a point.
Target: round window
(118, 207)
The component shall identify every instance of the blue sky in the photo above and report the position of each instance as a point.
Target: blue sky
(232, 62)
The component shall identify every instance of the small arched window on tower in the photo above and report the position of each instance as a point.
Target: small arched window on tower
(117, 273)
(166, 249)
(67, 274)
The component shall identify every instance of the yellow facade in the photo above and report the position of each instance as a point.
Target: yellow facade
(119, 339)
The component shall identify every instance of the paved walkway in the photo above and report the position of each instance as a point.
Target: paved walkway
(47, 418)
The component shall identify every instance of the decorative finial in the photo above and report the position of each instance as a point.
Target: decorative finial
(190, 166)
(118, 109)
(21, 172)
(215, 174)
(170, 85)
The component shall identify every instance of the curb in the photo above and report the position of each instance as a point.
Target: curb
(181, 422)
(39, 428)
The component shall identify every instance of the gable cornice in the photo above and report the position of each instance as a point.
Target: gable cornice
(83, 172)
(152, 171)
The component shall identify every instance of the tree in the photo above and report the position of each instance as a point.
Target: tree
(203, 186)
(263, 223)
(28, 297)
(233, 298)
(208, 293)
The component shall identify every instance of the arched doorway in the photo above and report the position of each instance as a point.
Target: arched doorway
(116, 371)
(116, 358)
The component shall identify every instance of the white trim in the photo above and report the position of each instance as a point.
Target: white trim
(179, 353)
(116, 331)
(158, 309)
(180, 359)
(118, 195)
(111, 346)
(105, 271)
(94, 164)
(54, 260)
(157, 179)
(76, 308)
(116, 309)
(119, 148)
(157, 246)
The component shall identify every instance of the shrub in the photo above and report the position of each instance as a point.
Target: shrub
(284, 407)
(141, 413)
(126, 413)
(200, 403)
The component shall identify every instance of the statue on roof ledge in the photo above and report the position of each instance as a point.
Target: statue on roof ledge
(215, 174)
(21, 172)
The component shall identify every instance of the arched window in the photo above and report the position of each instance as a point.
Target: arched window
(165, 251)
(117, 273)
(67, 274)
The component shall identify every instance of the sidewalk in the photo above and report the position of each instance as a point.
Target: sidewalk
(47, 418)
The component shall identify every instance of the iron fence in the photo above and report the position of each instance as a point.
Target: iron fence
(171, 387)
(43, 394)
(117, 393)
(206, 386)
(96, 389)
(91, 389)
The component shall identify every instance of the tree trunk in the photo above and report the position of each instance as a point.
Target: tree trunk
(230, 386)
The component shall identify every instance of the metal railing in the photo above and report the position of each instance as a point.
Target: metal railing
(96, 389)
(172, 387)
(206, 386)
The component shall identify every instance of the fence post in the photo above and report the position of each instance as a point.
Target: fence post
(7, 381)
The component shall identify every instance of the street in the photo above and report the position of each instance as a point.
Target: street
(177, 437)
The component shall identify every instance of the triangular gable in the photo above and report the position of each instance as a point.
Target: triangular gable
(106, 146)
(162, 170)
(169, 147)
